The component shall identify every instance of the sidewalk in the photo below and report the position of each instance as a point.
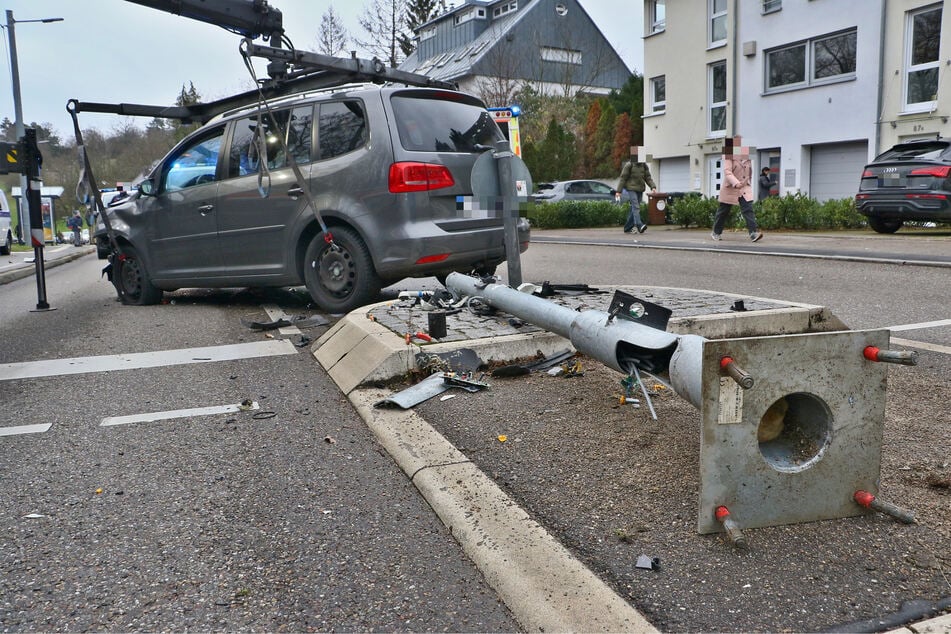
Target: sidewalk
(15, 266)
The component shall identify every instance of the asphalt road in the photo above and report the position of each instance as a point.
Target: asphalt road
(298, 521)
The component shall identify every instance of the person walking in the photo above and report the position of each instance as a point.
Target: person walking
(75, 223)
(765, 184)
(635, 178)
(736, 189)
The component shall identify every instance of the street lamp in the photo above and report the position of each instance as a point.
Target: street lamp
(25, 229)
(18, 112)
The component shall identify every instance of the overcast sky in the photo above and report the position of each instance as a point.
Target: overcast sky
(114, 51)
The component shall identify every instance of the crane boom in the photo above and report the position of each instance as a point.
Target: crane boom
(250, 18)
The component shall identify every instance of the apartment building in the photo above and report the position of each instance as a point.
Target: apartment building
(816, 87)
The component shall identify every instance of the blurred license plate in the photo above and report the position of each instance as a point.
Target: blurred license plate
(891, 180)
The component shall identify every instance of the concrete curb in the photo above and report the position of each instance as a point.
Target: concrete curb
(26, 271)
(544, 586)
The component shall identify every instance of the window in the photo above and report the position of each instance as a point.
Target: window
(562, 55)
(659, 94)
(342, 128)
(428, 122)
(245, 154)
(717, 33)
(427, 33)
(504, 8)
(717, 95)
(657, 15)
(467, 15)
(195, 164)
(772, 5)
(922, 44)
(824, 59)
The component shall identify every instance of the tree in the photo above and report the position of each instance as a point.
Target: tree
(589, 147)
(332, 38)
(630, 100)
(623, 140)
(604, 141)
(384, 23)
(186, 98)
(418, 12)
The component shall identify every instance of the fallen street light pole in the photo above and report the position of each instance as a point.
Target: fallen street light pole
(791, 425)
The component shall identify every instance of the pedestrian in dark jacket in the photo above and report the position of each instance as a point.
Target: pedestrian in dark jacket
(765, 183)
(75, 223)
(635, 178)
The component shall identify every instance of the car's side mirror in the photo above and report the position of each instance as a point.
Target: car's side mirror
(147, 187)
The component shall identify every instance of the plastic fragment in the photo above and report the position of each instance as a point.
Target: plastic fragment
(503, 437)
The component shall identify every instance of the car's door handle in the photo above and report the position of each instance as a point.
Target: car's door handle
(294, 192)
(204, 210)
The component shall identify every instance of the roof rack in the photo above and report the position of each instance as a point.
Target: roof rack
(300, 72)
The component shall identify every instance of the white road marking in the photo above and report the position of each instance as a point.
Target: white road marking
(139, 360)
(25, 429)
(921, 345)
(275, 313)
(927, 324)
(177, 413)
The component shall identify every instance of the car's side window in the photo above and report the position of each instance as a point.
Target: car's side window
(246, 144)
(194, 164)
(342, 128)
(600, 188)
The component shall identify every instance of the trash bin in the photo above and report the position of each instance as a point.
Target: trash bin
(656, 208)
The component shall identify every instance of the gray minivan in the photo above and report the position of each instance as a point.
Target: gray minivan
(388, 168)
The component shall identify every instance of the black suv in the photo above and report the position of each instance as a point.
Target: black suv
(389, 169)
(909, 182)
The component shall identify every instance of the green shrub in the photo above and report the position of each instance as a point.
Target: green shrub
(694, 210)
(573, 214)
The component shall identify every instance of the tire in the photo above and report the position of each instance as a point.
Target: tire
(7, 244)
(132, 280)
(340, 278)
(880, 225)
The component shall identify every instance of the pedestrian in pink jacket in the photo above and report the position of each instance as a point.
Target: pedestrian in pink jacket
(736, 189)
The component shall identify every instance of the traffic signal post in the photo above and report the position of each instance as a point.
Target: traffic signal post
(25, 158)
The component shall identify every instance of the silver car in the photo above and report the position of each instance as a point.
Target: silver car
(388, 168)
(573, 190)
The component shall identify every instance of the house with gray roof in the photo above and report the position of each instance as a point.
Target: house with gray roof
(494, 47)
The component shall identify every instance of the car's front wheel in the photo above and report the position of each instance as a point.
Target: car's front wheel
(132, 277)
(880, 225)
(340, 277)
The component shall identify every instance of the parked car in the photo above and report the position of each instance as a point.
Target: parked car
(909, 182)
(388, 167)
(573, 190)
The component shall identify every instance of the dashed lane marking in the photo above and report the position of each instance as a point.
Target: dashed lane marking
(176, 413)
(25, 429)
(140, 360)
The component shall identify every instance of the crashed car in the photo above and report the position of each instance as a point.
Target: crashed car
(909, 182)
(388, 167)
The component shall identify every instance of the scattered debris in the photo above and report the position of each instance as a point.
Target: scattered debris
(646, 562)
(431, 386)
(739, 307)
(246, 404)
(33, 516)
(461, 360)
(503, 437)
(329, 440)
(447, 397)
(526, 368)
(264, 415)
(299, 321)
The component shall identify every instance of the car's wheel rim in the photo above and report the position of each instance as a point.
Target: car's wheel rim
(131, 277)
(336, 271)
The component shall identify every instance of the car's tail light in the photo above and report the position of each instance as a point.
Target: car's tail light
(862, 196)
(926, 196)
(431, 259)
(938, 171)
(868, 174)
(419, 177)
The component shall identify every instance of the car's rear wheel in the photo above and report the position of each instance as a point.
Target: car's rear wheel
(133, 281)
(7, 244)
(881, 225)
(340, 277)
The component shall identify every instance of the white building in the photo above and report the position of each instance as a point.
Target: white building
(807, 83)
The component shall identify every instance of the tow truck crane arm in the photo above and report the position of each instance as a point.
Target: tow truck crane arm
(289, 70)
(249, 18)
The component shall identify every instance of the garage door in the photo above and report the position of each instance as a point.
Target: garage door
(674, 175)
(837, 170)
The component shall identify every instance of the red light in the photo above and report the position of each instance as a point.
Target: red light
(927, 196)
(938, 171)
(418, 177)
(430, 259)
(868, 174)
(861, 196)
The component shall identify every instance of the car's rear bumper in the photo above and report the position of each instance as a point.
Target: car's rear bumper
(930, 207)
